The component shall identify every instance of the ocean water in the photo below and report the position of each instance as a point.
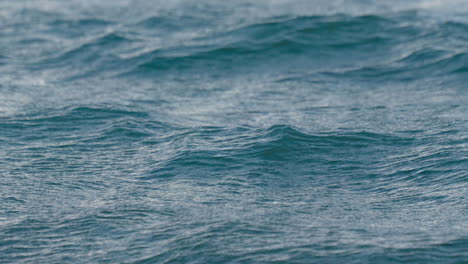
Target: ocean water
(246, 131)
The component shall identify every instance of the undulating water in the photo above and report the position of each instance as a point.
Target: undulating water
(245, 131)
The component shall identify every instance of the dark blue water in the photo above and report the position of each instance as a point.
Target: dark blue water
(266, 131)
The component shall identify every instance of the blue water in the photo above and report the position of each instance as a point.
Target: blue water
(246, 131)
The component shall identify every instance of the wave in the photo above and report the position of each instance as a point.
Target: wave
(418, 65)
(311, 154)
(220, 182)
(93, 58)
(251, 131)
(256, 43)
(90, 124)
(3, 60)
(223, 145)
(365, 46)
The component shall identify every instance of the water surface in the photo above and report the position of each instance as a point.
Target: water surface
(267, 131)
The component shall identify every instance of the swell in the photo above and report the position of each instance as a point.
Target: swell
(222, 184)
(333, 42)
(258, 43)
(191, 150)
(364, 160)
(360, 47)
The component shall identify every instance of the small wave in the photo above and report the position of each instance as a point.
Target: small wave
(170, 23)
(3, 60)
(97, 51)
(417, 65)
(287, 144)
(77, 113)
(70, 24)
(91, 123)
(279, 143)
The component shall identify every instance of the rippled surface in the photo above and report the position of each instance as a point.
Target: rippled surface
(244, 132)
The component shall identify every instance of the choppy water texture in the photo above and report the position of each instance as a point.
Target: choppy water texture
(233, 131)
